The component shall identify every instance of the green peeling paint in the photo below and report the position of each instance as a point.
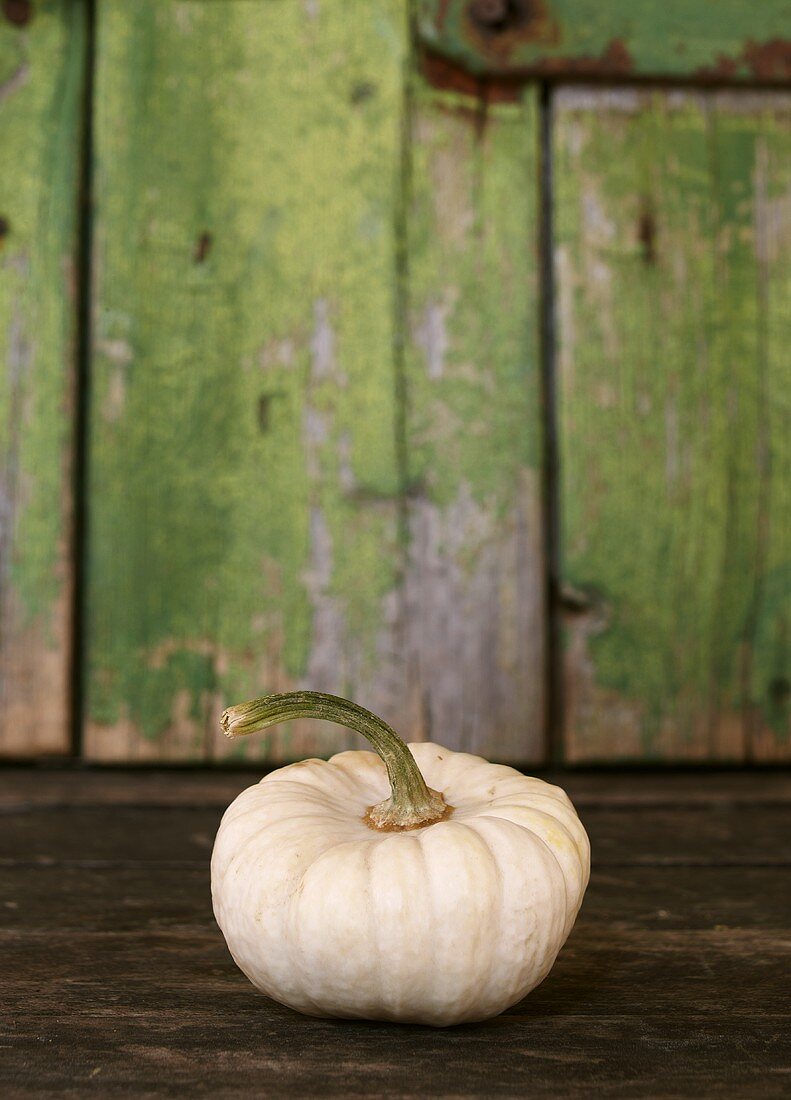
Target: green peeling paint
(672, 226)
(271, 242)
(41, 75)
(243, 460)
(473, 396)
(475, 579)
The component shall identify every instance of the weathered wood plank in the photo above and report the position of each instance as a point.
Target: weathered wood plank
(161, 899)
(41, 81)
(122, 984)
(245, 481)
(598, 973)
(768, 671)
(730, 41)
(474, 587)
(22, 788)
(161, 1051)
(673, 224)
(146, 1040)
(623, 837)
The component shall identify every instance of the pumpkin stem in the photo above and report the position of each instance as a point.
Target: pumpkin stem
(411, 804)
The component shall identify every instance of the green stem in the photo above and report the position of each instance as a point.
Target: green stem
(411, 803)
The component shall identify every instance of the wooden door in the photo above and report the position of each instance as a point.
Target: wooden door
(419, 371)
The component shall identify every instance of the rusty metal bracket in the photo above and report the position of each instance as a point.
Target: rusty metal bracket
(731, 41)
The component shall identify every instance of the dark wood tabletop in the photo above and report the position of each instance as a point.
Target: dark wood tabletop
(116, 981)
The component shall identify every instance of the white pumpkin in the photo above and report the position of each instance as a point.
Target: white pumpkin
(349, 888)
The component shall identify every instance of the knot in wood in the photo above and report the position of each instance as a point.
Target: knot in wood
(494, 15)
(18, 12)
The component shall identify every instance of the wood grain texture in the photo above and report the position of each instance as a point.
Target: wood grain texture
(245, 483)
(25, 788)
(182, 836)
(315, 427)
(41, 81)
(122, 985)
(153, 1045)
(673, 227)
(156, 899)
(597, 971)
(730, 41)
(474, 584)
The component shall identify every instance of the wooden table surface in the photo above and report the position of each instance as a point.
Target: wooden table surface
(116, 981)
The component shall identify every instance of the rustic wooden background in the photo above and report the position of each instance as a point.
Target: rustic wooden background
(356, 344)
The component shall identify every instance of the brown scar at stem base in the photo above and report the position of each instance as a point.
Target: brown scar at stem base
(405, 828)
